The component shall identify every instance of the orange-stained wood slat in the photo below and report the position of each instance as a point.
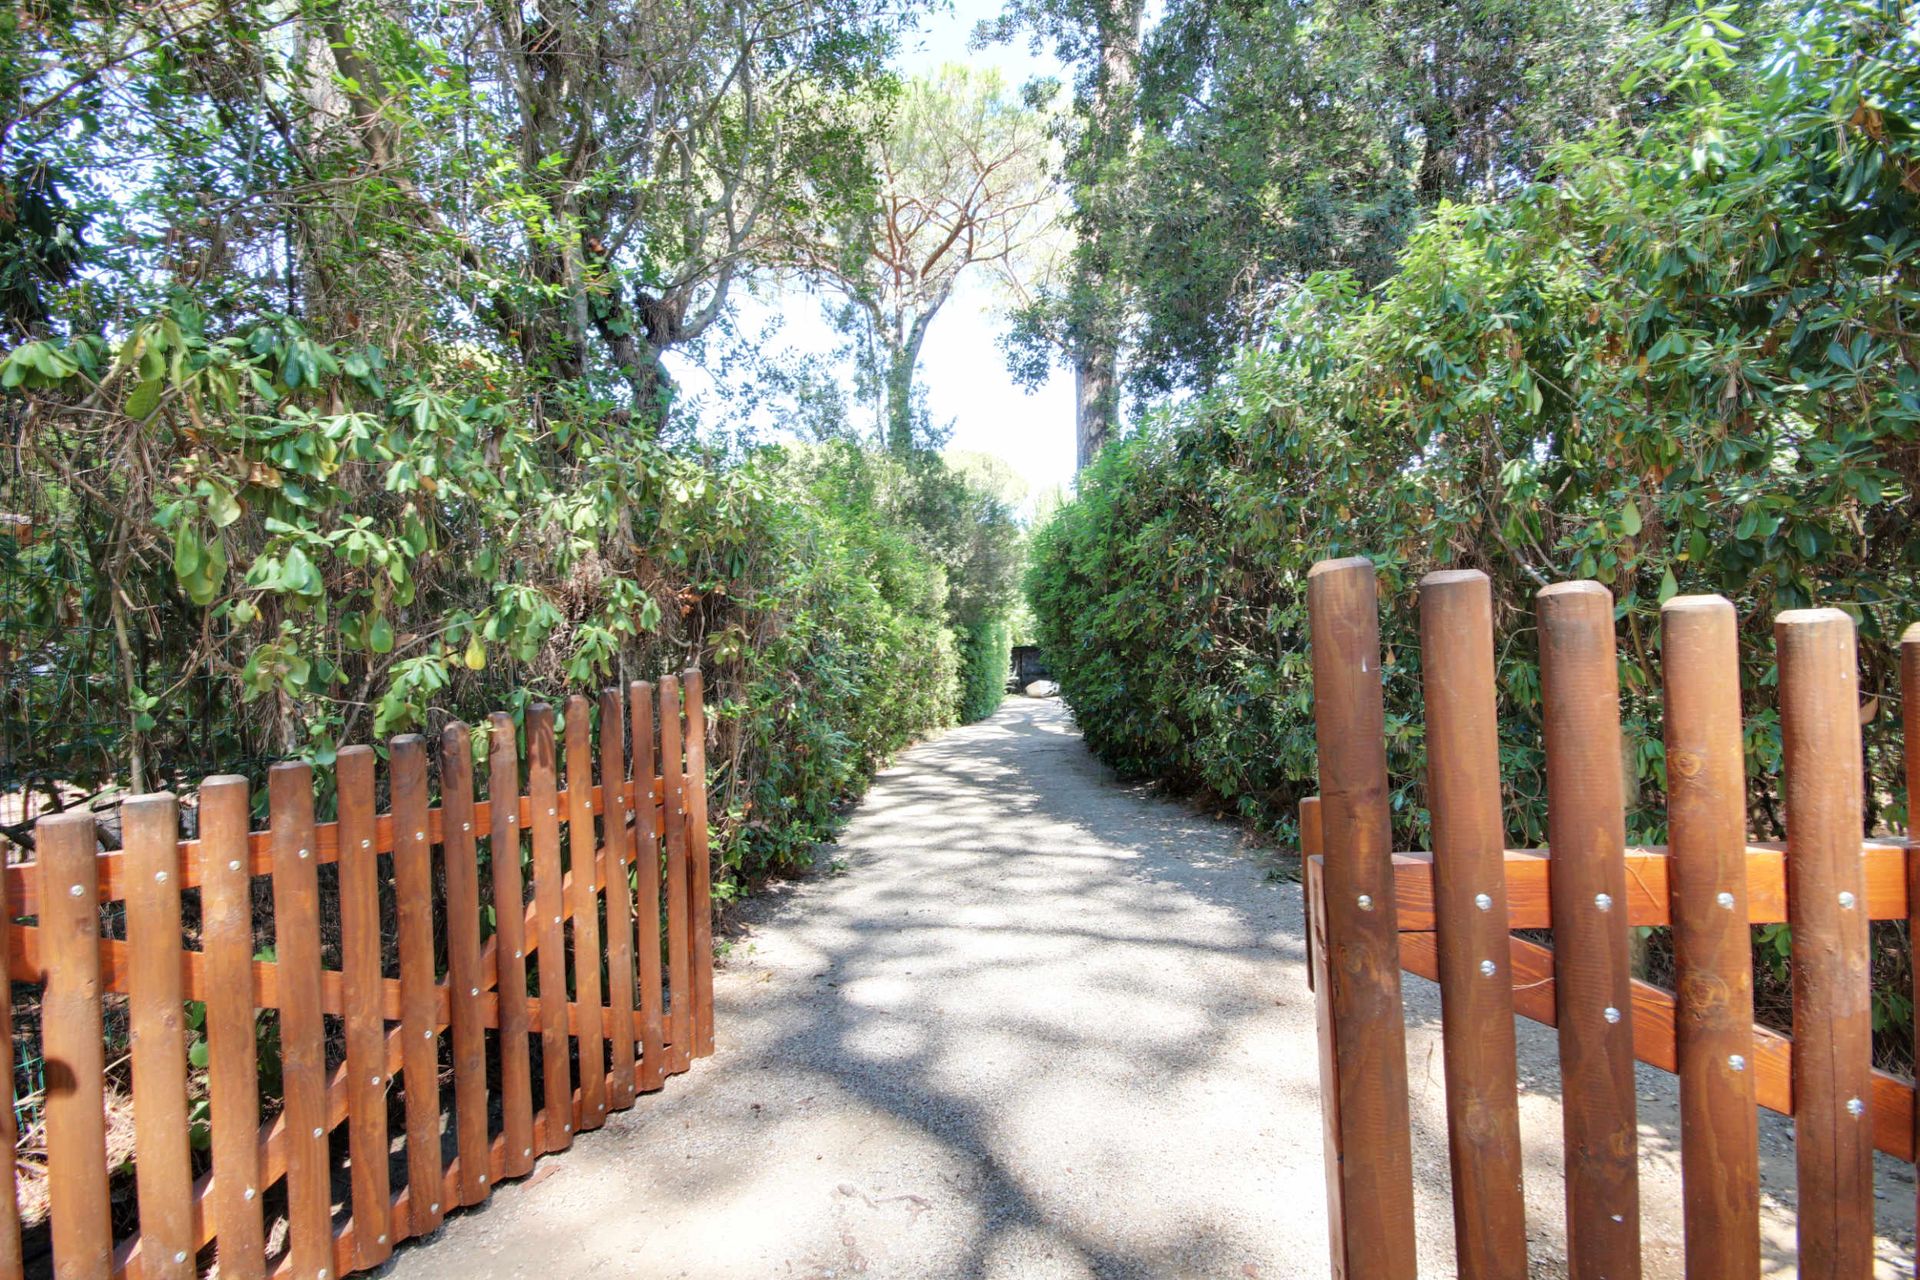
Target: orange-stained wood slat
(361, 991)
(157, 1012)
(465, 980)
(303, 1050)
(232, 1192)
(619, 859)
(583, 851)
(646, 869)
(75, 1051)
(508, 951)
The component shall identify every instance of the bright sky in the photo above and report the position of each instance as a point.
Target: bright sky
(961, 366)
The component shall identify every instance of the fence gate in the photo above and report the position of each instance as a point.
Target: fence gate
(1449, 915)
(406, 947)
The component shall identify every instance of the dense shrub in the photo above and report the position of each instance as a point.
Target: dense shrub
(985, 651)
(248, 545)
(1687, 361)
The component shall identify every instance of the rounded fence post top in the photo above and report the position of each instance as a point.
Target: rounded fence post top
(1343, 564)
(1578, 587)
(1697, 604)
(1794, 619)
(1452, 577)
(1911, 635)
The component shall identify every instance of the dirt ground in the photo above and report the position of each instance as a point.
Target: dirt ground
(1029, 1022)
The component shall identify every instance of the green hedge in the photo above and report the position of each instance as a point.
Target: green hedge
(313, 548)
(986, 648)
(1687, 361)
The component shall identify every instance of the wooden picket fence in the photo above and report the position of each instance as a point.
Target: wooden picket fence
(634, 1005)
(1448, 915)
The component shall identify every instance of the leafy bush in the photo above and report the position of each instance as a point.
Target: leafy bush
(985, 650)
(267, 545)
(1687, 361)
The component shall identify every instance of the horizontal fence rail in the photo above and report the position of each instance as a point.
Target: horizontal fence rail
(1449, 915)
(481, 979)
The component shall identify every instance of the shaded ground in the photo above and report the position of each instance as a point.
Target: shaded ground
(1027, 1023)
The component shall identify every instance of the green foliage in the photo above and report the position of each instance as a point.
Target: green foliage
(311, 546)
(985, 651)
(1685, 362)
(1278, 139)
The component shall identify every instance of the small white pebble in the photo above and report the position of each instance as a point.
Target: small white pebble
(1365, 902)
(1604, 901)
(1737, 1062)
(1489, 968)
(1483, 901)
(1611, 1014)
(1725, 900)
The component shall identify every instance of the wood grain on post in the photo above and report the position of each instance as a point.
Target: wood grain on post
(233, 1080)
(1712, 942)
(1826, 895)
(619, 837)
(679, 937)
(1586, 830)
(362, 991)
(156, 1006)
(1310, 847)
(510, 945)
(11, 1263)
(646, 874)
(583, 848)
(1470, 908)
(74, 1048)
(1363, 965)
(700, 855)
(548, 904)
(1910, 743)
(419, 1001)
(303, 1032)
(459, 852)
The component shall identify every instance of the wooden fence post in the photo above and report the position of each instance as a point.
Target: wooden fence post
(1910, 745)
(419, 1002)
(1373, 1146)
(646, 834)
(550, 939)
(583, 852)
(1826, 904)
(700, 853)
(510, 944)
(1470, 920)
(303, 1047)
(74, 1048)
(1712, 942)
(1586, 835)
(233, 1072)
(365, 1019)
(10, 1260)
(619, 844)
(679, 934)
(461, 868)
(163, 1172)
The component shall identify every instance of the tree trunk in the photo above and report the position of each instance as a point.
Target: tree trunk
(1095, 379)
(1096, 348)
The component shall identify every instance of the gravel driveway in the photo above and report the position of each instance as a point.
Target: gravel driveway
(1027, 1022)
